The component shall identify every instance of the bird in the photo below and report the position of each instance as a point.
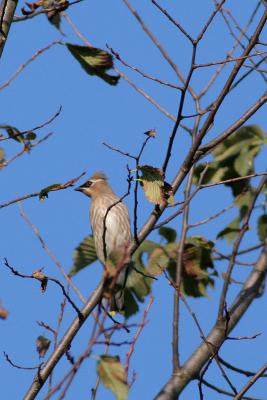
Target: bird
(109, 213)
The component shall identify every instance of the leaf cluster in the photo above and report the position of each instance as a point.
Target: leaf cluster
(235, 158)
(151, 259)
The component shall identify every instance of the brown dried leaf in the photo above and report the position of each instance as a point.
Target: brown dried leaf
(151, 133)
(40, 276)
(3, 313)
(42, 345)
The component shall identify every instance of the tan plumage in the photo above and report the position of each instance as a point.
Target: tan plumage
(117, 223)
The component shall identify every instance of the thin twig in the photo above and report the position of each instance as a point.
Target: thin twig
(152, 78)
(57, 7)
(237, 243)
(225, 392)
(76, 30)
(173, 21)
(163, 52)
(239, 370)
(144, 94)
(212, 217)
(141, 326)
(51, 119)
(29, 61)
(44, 279)
(26, 148)
(61, 186)
(239, 178)
(50, 254)
(251, 382)
(178, 280)
(19, 366)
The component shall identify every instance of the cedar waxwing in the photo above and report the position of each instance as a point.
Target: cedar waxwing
(117, 226)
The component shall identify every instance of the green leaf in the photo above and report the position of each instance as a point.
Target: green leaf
(243, 163)
(94, 61)
(113, 376)
(231, 231)
(131, 306)
(146, 248)
(242, 202)
(31, 136)
(168, 233)
(213, 173)
(138, 284)
(262, 227)
(247, 136)
(13, 133)
(44, 192)
(234, 157)
(158, 261)
(83, 255)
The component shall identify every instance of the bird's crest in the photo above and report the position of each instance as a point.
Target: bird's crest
(98, 175)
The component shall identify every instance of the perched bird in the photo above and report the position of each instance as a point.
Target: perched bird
(114, 219)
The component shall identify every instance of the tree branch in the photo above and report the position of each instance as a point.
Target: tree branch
(7, 11)
(192, 367)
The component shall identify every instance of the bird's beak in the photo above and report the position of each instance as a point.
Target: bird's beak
(79, 188)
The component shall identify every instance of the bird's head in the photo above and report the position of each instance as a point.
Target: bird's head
(95, 186)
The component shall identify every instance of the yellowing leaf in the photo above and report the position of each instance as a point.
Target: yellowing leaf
(156, 189)
(94, 61)
(2, 156)
(158, 261)
(113, 376)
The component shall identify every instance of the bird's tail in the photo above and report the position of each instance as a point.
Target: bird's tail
(117, 301)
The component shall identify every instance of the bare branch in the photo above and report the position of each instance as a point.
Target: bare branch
(239, 370)
(61, 186)
(44, 279)
(225, 392)
(29, 61)
(50, 254)
(250, 290)
(152, 78)
(237, 243)
(251, 382)
(19, 366)
(7, 11)
(144, 94)
(173, 21)
(141, 326)
(57, 7)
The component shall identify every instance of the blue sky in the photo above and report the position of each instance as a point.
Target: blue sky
(92, 113)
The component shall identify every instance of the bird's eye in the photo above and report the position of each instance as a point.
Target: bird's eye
(88, 184)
